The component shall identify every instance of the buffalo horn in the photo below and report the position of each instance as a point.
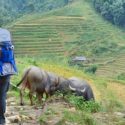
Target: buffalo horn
(83, 90)
(72, 88)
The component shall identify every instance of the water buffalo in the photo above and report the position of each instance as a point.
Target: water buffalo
(55, 80)
(81, 88)
(36, 80)
(78, 86)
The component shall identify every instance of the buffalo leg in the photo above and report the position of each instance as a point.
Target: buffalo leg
(47, 95)
(31, 98)
(40, 96)
(21, 97)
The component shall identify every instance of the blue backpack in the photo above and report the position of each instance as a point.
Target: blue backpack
(7, 62)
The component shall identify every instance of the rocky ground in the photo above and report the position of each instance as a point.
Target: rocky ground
(22, 115)
(30, 115)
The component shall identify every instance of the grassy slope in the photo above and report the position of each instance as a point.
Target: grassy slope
(104, 90)
(109, 94)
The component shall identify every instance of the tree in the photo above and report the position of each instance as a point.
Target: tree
(10, 9)
(112, 10)
(118, 13)
(106, 11)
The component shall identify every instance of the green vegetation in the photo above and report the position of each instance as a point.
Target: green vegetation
(81, 118)
(68, 117)
(121, 76)
(91, 69)
(112, 10)
(12, 9)
(88, 106)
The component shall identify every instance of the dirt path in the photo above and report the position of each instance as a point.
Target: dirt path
(21, 115)
(30, 115)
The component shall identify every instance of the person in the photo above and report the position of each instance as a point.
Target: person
(7, 68)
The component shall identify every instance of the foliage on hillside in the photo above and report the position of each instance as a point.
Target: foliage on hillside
(11, 9)
(112, 10)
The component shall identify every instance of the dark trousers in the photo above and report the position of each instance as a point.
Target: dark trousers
(4, 86)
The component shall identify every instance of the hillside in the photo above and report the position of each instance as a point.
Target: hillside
(75, 29)
(97, 35)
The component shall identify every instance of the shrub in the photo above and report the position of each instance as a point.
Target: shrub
(80, 104)
(121, 76)
(91, 69)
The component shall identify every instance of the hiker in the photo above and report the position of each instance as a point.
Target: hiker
(7, 68)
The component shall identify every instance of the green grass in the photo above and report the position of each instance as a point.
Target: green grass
(62, 116)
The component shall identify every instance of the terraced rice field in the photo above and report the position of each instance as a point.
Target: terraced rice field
(112, 68)
(45, 36)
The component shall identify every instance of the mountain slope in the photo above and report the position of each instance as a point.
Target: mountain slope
(75, 29)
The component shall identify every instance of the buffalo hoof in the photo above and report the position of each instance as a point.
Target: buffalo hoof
(22, 104)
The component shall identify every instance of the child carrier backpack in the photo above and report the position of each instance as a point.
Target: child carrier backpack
(7, 62)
